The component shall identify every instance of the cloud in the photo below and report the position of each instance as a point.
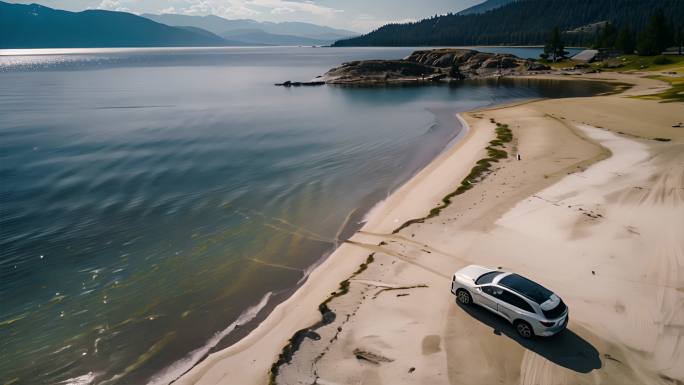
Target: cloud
(291, 6)
(113, 5)
(171, 9)
(224, 8)
(247, 8)
(282, 11)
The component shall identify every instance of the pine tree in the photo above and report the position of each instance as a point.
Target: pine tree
(679, 38)
(656, 37)
(555, 47)
(625, 41)
(606, 36)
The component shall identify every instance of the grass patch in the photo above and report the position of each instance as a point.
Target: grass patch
(568, 63)
(663, 63)
(627, 63)
(673, 94)
(495, 152)
(327, 317)
(641, 63)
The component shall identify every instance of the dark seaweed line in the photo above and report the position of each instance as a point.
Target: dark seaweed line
(327, 317)
(482, 168)
(495, 152)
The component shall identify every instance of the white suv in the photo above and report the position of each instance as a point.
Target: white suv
(530, 307)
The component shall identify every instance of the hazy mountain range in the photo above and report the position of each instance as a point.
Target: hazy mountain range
(37, 26)
(254, 32)
(493, 22)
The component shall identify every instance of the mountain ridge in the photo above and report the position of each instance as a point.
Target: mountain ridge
(37, 26)
(259, 37)
(522, 22)
(272, 33)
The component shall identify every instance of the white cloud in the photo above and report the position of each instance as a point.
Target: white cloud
(113, 5)
(248, 8)
(171, 9)
(282, 11)
(224, 8)
(290, 6)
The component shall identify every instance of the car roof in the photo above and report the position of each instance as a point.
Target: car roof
(474, 271)
(524, 287)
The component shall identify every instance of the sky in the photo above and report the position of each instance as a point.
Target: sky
(356, 15)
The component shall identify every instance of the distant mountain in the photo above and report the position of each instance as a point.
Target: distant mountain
(521, 22)
(36, 26)
(484, 7)
(312, 31)
(204, 32)
(259, 37)
(286, 33)
(211, 23)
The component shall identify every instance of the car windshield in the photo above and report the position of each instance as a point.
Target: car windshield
(487, 277)
(524, 286)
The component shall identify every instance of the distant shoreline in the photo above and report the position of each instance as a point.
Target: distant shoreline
(75, 50)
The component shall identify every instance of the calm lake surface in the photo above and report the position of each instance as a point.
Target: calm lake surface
(153, 199)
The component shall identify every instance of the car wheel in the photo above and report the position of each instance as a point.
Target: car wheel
(463, 297)
(524, 329)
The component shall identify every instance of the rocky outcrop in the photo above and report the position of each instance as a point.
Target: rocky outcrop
(428, 66)
(382, 71)
(465, 59)
(534, 66)
(300, 84)
(442, 58)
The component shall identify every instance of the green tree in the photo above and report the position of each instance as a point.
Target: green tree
(679, 38)
(625, 41)
(555, 46)
(606, 36)
(656, 37)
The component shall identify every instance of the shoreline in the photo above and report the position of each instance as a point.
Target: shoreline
(333, 272)
(231, 338)
(268, 303)
(300, 310)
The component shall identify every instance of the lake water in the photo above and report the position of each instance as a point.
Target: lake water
(152, 199)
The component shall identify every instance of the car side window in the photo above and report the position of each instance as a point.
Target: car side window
(493, 291)
(487, 277)
(514, 300)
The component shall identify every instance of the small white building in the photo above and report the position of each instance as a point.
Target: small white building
(586, 56)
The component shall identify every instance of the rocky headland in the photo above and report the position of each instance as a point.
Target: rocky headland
(427, 66)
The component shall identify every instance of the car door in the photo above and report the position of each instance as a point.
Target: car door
(488, 298)
(511, 305)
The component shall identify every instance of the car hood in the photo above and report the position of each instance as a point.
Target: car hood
(473, 272)
(550, 303)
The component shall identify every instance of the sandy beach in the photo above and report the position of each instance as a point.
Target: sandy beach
(594, 210)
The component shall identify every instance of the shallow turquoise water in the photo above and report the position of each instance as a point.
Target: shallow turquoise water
(151, 198)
